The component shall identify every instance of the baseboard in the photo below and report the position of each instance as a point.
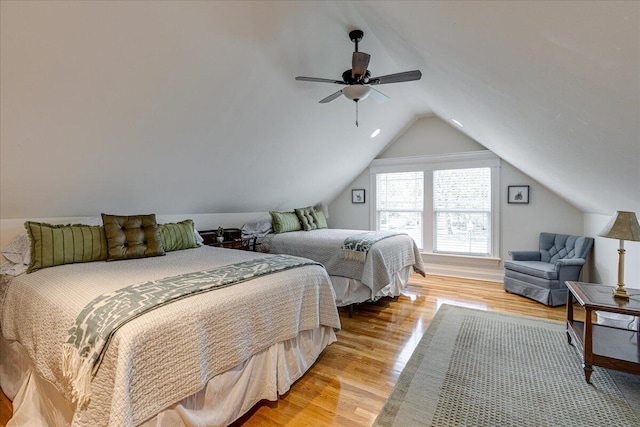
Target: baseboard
(477, 268)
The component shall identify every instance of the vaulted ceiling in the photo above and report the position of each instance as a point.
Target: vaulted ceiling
(192, 107)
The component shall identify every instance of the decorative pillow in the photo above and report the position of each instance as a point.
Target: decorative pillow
(134, 236)
(53, 245)
(305, 216)
(178, 236)
(285, 221)
(319, 218)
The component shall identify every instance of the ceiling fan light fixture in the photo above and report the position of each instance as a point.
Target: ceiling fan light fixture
(356, 92)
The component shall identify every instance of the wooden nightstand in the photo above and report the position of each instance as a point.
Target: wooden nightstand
(600, 345)
(232, 239)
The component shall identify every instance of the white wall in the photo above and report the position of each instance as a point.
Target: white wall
(428, 135)
(521, 224)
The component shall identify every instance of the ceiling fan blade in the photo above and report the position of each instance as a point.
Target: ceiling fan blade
(359, 64)
(331, 97)
(406, 76)
(378, 96)
(315, 79)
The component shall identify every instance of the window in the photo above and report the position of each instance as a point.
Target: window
(455, 195)
(462, 211)
(399, 203)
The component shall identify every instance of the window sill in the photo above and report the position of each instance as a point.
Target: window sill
(471, 267)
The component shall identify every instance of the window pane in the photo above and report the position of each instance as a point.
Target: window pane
(462, 189)
(462, 211)
(399, 203)
(465, 233)
(400, 191)
(403, 222)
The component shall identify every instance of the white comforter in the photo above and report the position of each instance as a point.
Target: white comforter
(385, 258)
(169, 353)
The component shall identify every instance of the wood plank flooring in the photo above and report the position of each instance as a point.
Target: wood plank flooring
(353, 377)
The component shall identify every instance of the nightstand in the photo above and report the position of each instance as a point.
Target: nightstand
(601, 345)
(232, 239)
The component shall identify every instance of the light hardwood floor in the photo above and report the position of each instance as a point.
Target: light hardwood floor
(353, 377)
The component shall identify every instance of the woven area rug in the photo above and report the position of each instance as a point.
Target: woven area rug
(477, 368)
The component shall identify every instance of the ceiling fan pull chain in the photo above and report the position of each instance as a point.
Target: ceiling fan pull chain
(356, 113)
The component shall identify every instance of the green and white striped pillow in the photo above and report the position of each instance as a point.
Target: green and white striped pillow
(285, 221)
(319, 218)
(53, 245)
(178, 236)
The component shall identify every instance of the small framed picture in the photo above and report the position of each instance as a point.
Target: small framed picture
(518, 194)
(357, 196)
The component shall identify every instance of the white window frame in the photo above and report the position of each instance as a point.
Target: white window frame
(465, 160)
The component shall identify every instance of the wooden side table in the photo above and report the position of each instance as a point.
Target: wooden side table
(601, 345)
(232, 239)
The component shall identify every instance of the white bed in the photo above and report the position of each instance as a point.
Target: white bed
(385, 271)
(202, 360)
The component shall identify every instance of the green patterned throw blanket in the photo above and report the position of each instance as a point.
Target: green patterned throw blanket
(357, 247)
(88, 338)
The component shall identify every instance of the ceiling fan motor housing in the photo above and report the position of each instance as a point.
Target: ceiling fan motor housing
(348, 78)
(356, 35)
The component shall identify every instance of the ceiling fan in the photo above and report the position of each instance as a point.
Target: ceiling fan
(358, 79)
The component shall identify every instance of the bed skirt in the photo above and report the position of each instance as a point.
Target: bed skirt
(352, 291)
(225, 398)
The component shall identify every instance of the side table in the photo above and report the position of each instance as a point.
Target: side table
(231, 239)
(601, 345)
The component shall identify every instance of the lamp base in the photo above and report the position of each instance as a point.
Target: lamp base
(620, 292)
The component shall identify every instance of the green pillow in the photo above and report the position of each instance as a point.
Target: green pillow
(178, 236)
(53, 245)
(134, 236)
(284, 222)
(305, 216)
(319, 218)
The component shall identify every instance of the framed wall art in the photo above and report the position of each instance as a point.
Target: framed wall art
(518, 194)
(357, 196)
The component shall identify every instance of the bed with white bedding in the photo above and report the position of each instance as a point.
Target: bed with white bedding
(201, 360)
(384, 272)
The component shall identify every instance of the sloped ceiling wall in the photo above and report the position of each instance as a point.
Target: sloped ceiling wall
(192, 107)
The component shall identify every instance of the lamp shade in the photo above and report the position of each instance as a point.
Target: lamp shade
(624, 226)
(356, 92)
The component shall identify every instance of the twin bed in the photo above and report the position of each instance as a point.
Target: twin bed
(384, 272)
(204, 359)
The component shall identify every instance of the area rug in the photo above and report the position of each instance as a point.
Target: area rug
(477, 368)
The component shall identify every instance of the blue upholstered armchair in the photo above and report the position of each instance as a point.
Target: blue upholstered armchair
(540, 275)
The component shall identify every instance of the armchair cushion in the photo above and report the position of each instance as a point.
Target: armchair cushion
(533, 268)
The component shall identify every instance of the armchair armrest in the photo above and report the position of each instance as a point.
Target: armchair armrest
(569, 261)
(569, 269)
(525, 255)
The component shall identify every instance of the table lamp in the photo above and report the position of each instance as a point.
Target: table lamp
(624, 226)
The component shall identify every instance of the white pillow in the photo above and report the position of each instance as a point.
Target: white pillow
(18, 251)
(257, 228)
(12, 269)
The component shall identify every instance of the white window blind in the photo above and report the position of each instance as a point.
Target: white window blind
(400, 203)
(462, 211)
